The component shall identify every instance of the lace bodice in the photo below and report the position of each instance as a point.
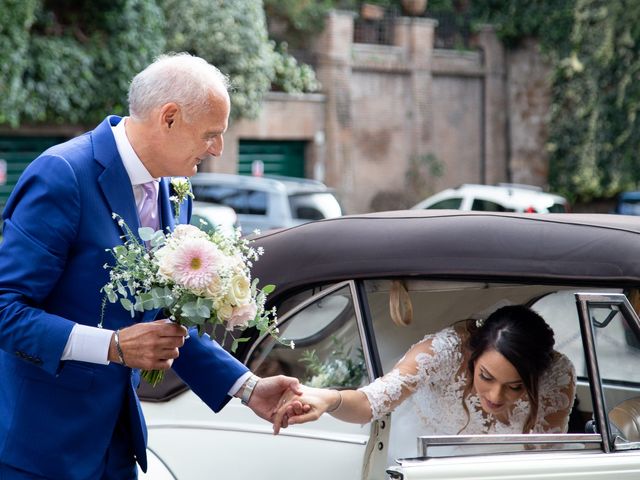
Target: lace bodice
(431, 377)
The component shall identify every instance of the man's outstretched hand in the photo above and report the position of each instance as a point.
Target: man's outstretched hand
(270, 394)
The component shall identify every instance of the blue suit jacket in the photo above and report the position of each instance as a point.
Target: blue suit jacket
(57, 417)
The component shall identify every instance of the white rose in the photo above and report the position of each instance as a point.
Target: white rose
(224, 312)
(214, 288)
(163, 259)
(242, 315)
(183, 231)
(240, 290)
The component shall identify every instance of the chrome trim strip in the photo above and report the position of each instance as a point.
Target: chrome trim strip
(424, 442)
(620, 444)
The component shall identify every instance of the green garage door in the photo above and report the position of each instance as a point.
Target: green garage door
(15, 154)
(277, 157)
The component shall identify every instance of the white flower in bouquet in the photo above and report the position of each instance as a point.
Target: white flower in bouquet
(196, 277)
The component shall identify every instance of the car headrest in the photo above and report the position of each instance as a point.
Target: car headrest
(626, 417)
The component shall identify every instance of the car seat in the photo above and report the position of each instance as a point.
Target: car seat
(626, 418)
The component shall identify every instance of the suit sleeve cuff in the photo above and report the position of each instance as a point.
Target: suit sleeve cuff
(236, 386)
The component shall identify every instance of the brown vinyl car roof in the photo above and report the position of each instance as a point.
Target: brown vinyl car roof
(531, 248)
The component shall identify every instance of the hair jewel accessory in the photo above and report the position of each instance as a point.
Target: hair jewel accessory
(479, 322)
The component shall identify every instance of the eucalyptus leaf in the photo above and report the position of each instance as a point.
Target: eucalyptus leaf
(146, 233)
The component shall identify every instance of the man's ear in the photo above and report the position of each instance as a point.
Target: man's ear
(169, 114)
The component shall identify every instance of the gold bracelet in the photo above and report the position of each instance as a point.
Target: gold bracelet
(339, 403)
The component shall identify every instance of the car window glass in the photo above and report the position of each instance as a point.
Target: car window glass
(256, 202)
(314, 206)
(448, 204)
(242, 200)
(489, 206)
(328, 351)
(225, 195)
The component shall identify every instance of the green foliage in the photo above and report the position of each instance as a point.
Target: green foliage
(291, 76)
(233, 36)
(339, 369)
(548, 20)
(301, 17)
(71, 62)
(17, 18)
(595, 136)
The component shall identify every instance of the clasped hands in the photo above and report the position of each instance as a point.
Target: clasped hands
(155, 345)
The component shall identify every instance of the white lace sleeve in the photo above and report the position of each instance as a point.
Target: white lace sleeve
(434, 359)
(556, 395)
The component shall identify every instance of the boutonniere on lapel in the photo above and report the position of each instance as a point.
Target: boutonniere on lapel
(180, 190)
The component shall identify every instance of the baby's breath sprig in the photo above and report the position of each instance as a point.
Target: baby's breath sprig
(181, 190)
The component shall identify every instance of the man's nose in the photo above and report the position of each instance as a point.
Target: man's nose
(216, 146)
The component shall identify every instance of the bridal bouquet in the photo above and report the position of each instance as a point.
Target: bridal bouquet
(197, 278)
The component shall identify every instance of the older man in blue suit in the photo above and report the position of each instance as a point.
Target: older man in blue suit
(68, 403)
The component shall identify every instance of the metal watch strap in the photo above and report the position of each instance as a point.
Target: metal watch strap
(116, 337)
(247, 390)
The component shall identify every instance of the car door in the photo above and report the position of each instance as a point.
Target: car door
(325, 327)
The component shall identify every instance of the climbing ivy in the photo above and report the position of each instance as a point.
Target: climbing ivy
(595, 125)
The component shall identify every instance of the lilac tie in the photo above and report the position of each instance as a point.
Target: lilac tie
(149, 209)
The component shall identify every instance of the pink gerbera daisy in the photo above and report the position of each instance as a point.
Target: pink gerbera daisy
(196, 263)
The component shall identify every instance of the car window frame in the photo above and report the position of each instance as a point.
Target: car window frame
(369, 349)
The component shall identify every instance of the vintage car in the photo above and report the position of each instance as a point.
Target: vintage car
(354, 293)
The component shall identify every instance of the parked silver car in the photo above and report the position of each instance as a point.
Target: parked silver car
(338, 288)
(266, 203)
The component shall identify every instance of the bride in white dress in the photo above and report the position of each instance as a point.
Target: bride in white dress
(499, 376)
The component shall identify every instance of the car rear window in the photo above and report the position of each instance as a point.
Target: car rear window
(448, 204)
(314, 206)
(489, 206)
(242, 200)
(558, 208)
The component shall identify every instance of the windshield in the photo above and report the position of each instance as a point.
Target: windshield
(314, 206)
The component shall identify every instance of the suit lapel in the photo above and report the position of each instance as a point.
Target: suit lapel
(114, 180)
(165, 205)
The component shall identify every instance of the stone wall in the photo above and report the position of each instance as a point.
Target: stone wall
(529, 91)
(405, 120)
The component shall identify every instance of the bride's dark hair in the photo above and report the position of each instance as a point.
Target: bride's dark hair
(523, 338)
